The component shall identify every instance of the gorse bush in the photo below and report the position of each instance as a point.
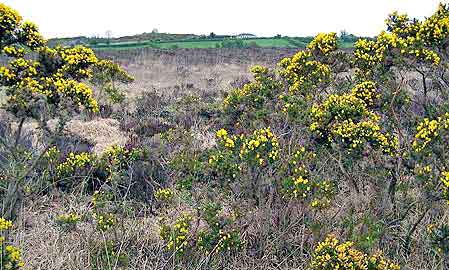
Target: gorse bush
(42, 83)
(177, 236)
(331, 254)
(186, 234)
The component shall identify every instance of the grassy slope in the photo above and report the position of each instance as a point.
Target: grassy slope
(191, 44)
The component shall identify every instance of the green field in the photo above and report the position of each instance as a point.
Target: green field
(213, 43)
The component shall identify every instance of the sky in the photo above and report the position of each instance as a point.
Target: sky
(68, 18)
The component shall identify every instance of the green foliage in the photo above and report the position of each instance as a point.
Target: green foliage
(107, 255)
(439, 238)
(107, 75)
(68, 222)
(177, 235)
(217, 237)
(299, 182)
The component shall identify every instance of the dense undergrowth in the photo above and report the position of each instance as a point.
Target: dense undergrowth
(329, 161)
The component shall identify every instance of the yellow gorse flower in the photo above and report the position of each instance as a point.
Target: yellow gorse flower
(303, 72)
(331, 254)
(222, 133)
(429, 130)
(11, 256)
(445, 185)
(412, 39)
(324, 43)
(72, 162)
(176, 236)
(164, 194)
(5, 224)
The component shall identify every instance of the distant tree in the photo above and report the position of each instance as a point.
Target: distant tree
(154, 31)
(212, 35)
(278, 36)
(233, 43)
(93, 40)
(347, 37)
(108, 35)
(252, 44)
(343, 34)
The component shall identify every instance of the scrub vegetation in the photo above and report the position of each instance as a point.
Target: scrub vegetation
(328, 159)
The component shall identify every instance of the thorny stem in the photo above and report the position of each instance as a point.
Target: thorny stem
(19, 132)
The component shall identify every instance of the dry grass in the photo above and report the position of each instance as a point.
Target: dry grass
(100, 132)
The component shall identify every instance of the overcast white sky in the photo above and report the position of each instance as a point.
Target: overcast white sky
(63, 18)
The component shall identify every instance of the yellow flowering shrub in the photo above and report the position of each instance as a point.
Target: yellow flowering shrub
(74, 162)
(104, 221)
(103, 211)
(303, 73)
(406, 39)
(294, 107)
(324, 43)
(30, 35)
(423, 170)
(218, 241)
(435, 29)
(14, 30)
(10, 257)
(176, 236)
(251, 100)
(300, 183)
(355, 135)
(243, 157)
(225, 165)
(445, 185)
(331, 254)
(68, 221)
(347, 120)
(10, 20)
(217, 237)
(120, 156)
(428, 131)
(297, 184)
(55, 75)
(260, 148)
(214, 232)
(5, 224)
(368, 55)
(338, 108)
(432, 31)
(65, 170)
(429, 148)
(401, 25)
(366, 91)
(164, 194)
(13, 51)
(323, 193)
